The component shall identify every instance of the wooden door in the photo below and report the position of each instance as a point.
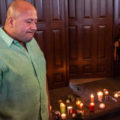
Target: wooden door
(90, 38)
(51, 36)
(116, 25)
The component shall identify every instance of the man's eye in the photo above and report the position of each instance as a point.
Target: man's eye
(28, 22)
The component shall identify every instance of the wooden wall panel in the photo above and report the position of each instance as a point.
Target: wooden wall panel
(93, 20)
(41, 39)
(40, 6)
(73, 48)
(102, 11)
(58, 62)
(87, 42)
(87, 8)
(3, 8)
(58, 51)
(116, 18)
(72, 8)
(101, 41)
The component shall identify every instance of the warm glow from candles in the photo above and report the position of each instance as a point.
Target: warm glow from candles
(69, 109)
(92, 97)
(100, 95)
(106, 92)
(92, 106)
(62, 105)
(78, 102)
(116, 95)
(63, 116)
(102, 106)
(81, 105)
(67, 101)
(59, 101)
(62, 108)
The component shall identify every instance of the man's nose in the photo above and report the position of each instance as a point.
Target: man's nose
(34, 26)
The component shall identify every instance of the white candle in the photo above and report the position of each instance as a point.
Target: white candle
(92, 97)
(100, 96)
(102, 106)
(63, 116)
(69, 109)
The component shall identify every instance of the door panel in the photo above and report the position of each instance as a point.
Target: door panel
(116, 25)
(90, 29)
(57, 67)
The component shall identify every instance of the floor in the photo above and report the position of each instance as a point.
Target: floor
(62, 93)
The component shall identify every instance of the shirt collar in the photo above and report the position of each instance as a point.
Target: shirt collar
(8, 40)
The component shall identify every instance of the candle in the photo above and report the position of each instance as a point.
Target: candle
(92, 97)
(63, 116)
(62, 108)
(67, 101)
(59, 101)
(81, 105)
(69, 109)
(106, 92)
(92, 107)
(116, 95)
(100, 96)
(78, 102)
(101, 105)
(80, 112)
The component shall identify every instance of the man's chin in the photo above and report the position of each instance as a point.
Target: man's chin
(28, 40)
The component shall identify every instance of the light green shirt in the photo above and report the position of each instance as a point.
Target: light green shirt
(22, 81)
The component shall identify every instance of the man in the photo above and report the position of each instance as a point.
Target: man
(23, 94)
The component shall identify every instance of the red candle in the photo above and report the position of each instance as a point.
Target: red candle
(92, 107)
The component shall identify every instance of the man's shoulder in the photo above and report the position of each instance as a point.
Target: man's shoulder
(2, 43)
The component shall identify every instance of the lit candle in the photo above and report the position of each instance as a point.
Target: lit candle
(101, 105)
(81, 105)
(78, 102)
(92, 107)
(92, 97)
(62, 108)
(100, 96)
(67, 101)
(106, 92)
(69, 109)
(116, 95)
(63, 116)
(60, 101)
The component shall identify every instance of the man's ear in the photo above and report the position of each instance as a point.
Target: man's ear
(11, 21)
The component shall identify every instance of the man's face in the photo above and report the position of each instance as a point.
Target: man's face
(24, 26)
